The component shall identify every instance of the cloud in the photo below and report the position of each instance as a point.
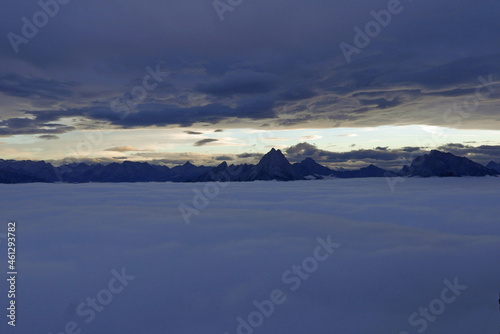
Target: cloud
(193, 133)
(381, 156)
(123, 149)
(406, 243)
(312, 137)
(28, 126)
(30, 87)
(204, 142)
(382, 103)
(48, 137)
(239, 83)
(286, 71)
(157, 114)
(224, 158)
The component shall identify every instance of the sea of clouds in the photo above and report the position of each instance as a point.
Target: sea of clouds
(393, 255)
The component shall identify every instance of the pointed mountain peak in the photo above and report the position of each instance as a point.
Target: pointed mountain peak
(309, 162)
(372, 168)
(222, 165)
(274, 157)
(188, 164)
(274, 152)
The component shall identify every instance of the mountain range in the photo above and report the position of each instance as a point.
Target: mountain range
(493, 165)
(272, 166)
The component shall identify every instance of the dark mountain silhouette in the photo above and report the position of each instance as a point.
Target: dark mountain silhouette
(493, 165)
(310, 167)
(186, 172)
(273, 166)
(225, 173)
(10, 175)
(442, 164)
(14, 171)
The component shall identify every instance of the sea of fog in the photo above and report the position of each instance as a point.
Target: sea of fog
(329, 256)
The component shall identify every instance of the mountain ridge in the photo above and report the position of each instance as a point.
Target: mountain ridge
(443, 164)
(272, 166)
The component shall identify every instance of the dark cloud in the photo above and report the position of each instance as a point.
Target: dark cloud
(235, 83)
(155, 114)
(48, 137)
(30, 87)
(380, 156)
(193, 133)
(285, 70)
(27, 126)
(249, 155)
(455, 73)
(224, 158)
(205, 142)
(297, 94)
(381, 103)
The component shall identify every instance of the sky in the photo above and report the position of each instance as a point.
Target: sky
(348, 82)
(392, 256)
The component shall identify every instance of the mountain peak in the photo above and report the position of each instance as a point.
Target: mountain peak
(439, 153)
(310, 167)
(274, 156)
(222, 167)
(308, 161)
(274, 165)
(494, 166)
(438, 163)
(274, 151)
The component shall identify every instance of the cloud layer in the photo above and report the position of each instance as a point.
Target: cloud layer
(396, 251)
(285, 71)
